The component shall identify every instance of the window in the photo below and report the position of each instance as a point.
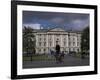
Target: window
(77, 43)
(73, 39)
(64, 43)
(57, 39)
(69, 38)
(39, 34)
(50, 38)
(40, 39)
(39, 43)
(44, 39)
(44, 50)
(44, 36)
(73, 49)
(69, 43)
(64, 39)
(77, 39)
(50, 43)
(78, 50)
(44, 43)
(73, 43)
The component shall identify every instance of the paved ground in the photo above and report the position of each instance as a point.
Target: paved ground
(68, 61)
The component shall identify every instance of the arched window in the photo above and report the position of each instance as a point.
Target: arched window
(39, 43)
(50, 43)
(44, 50)
(64, 43)
(44, 43)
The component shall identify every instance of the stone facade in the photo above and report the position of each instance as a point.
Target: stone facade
(46, 40)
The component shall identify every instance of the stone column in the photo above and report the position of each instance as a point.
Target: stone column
(47, 43)
(53, 40)
(36, 43)
(66, 40)
(61, 42)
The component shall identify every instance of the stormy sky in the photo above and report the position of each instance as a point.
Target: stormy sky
(47, 20)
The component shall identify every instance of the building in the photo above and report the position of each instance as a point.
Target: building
(46, 40)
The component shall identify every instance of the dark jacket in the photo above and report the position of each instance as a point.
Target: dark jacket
(57, 48)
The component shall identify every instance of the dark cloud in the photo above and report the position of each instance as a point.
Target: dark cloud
(75, 21)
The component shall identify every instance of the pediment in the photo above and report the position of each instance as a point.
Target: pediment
(57, 29)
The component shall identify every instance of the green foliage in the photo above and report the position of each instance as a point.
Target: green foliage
(85, 39)
(28, 40)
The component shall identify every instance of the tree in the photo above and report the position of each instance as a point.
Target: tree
(28, 40)
(85, 40)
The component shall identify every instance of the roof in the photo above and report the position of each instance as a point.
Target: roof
(56, 29)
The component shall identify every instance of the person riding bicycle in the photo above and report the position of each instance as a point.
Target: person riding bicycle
(57, 51)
